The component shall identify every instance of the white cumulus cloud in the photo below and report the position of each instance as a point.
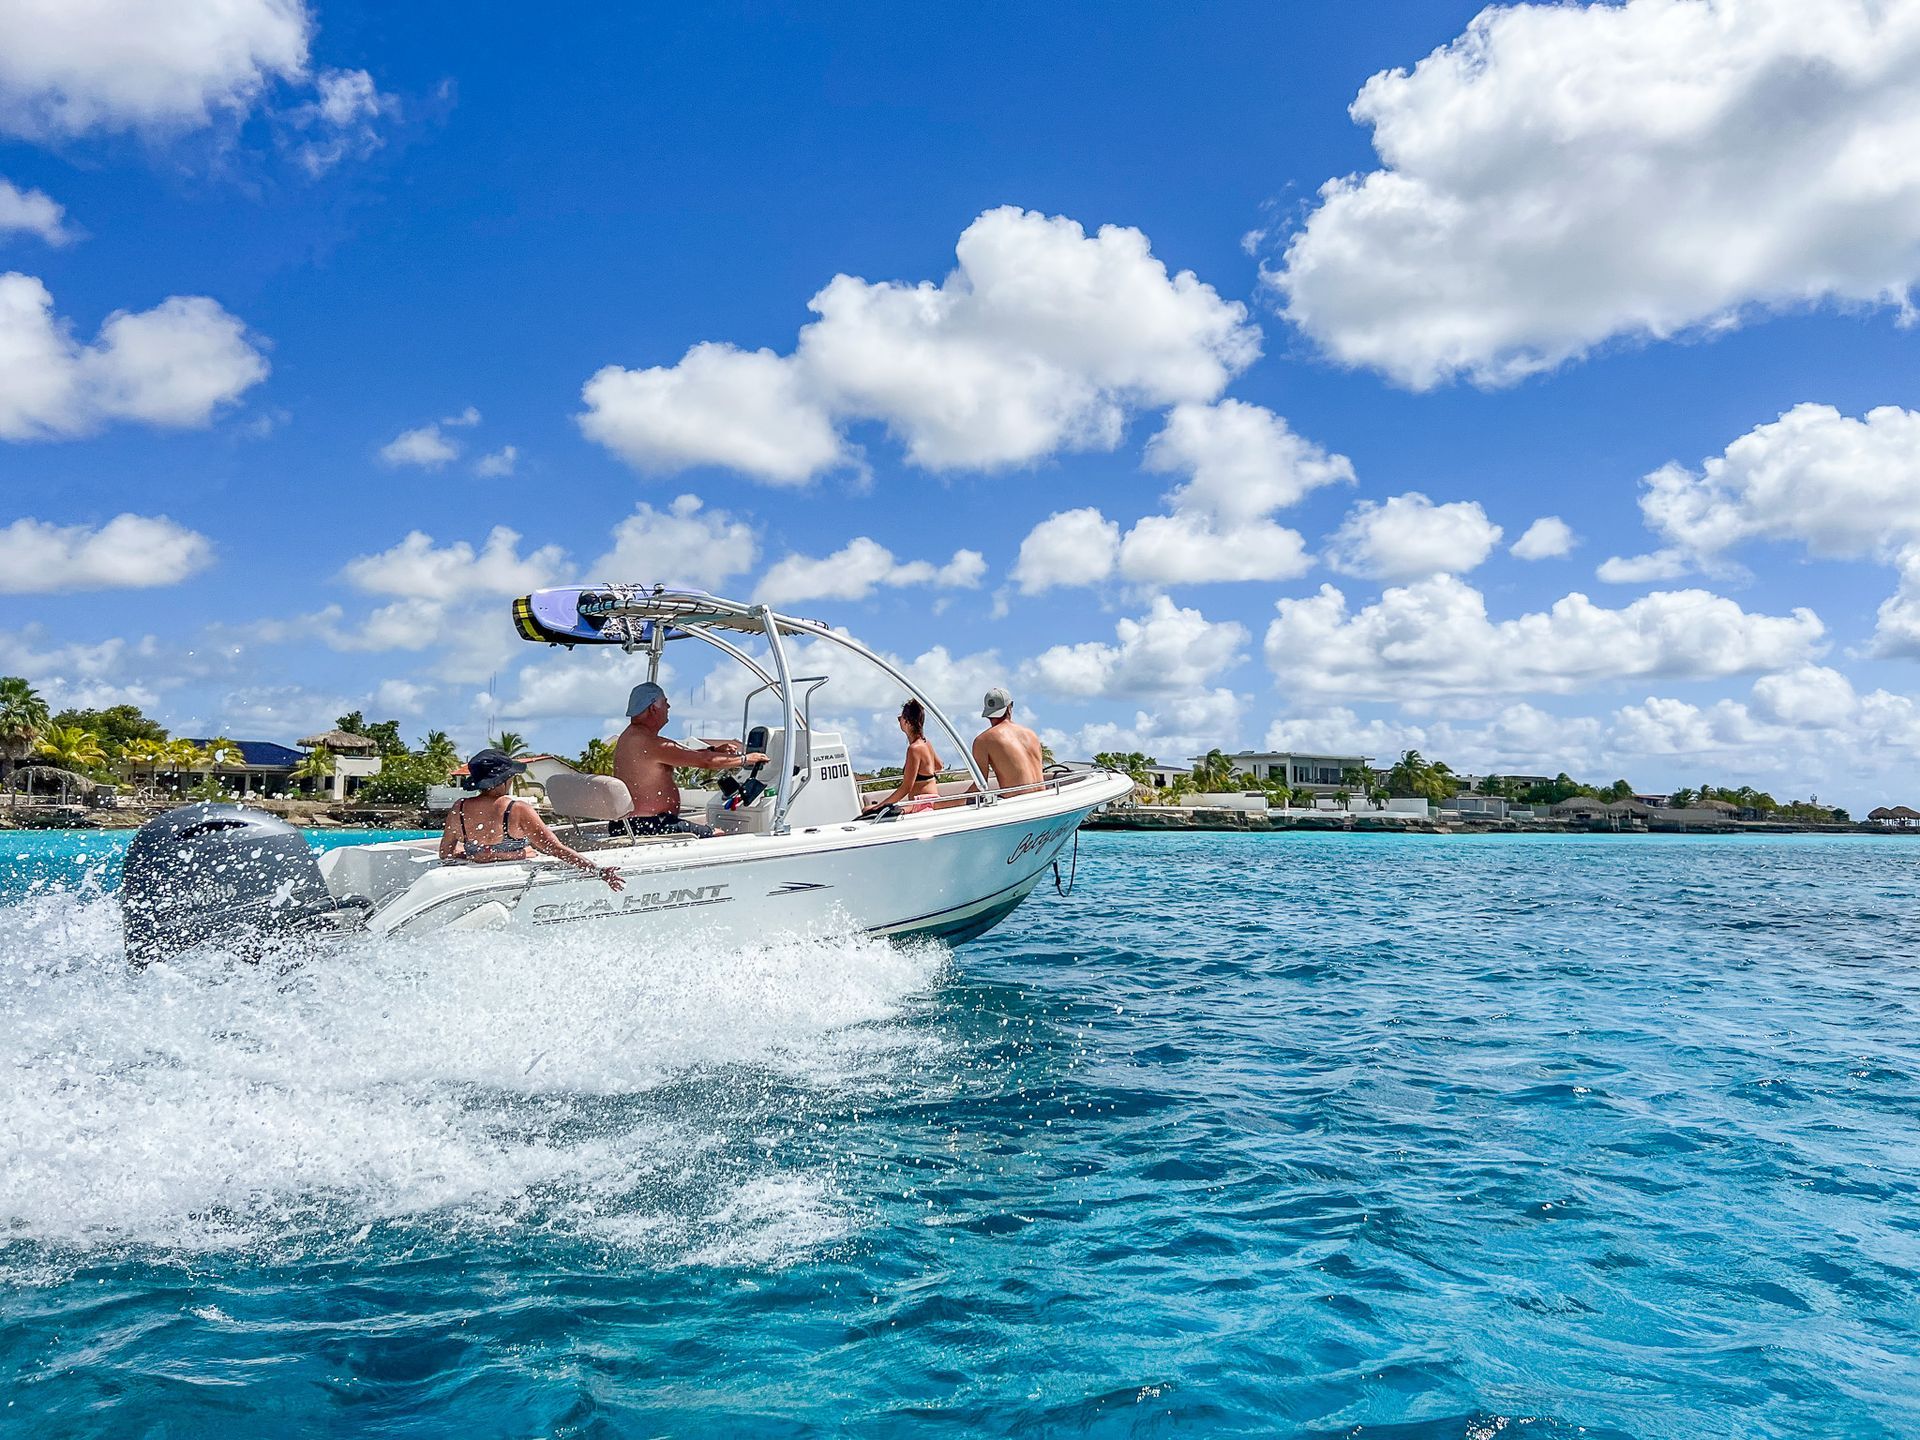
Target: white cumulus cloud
(498, 463)
(1547, 538)
(32, 212)
(1408, 536)
(1190, 549)
(418, 568)
(425, 446)
(1563, 174)
(1840, 487)
(1166, 651)
(747, 410)
(1039, 341)
(1242, 462)
(1434, 638)
(858, 568)
(683, 544)
(128, 552)
(1070, 547)
(173, 365)
(72, 66)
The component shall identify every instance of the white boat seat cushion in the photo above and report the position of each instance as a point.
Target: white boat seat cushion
(588, 797)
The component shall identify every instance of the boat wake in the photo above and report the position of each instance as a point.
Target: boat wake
(677, 1104)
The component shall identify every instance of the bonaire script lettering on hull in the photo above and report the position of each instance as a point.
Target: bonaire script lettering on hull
(606, 907)
(1035, 841)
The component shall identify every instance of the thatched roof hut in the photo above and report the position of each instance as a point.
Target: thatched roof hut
(30, 780)
(338, 740)
(1902, 812)
(1881, 812)
(1579, 805)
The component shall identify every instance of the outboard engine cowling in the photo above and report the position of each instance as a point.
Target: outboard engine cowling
(221, 873)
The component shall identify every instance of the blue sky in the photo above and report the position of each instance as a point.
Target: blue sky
(1566, 250)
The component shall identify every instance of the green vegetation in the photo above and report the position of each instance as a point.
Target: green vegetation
(509, 742)
(405, 775)
(1131, 763)
(71, 747)
(118, 726)
(23, 719)
(1415, 777)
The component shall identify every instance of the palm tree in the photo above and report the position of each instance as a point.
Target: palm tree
(438, 754)
(23, 718)
(222, 751)
(149, 753)
(316, 765)
(1214, 772)
(181, 757)
(72, 747)
(597, 758)
(511, 742)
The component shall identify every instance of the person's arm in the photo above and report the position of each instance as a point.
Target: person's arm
(982, 759)
(449, 846)
(909, 777)
(669, 752)
(547, 843)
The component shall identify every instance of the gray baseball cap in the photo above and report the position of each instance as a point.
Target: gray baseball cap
(644, 695)
(997, 703)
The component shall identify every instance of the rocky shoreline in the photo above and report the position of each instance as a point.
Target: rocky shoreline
(1259, 822)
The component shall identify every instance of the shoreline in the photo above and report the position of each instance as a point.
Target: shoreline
(1201, 821)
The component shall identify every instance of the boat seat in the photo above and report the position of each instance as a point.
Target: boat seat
(588, 797)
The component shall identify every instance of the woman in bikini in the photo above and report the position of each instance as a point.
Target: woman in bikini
(492, 826)
(919, 785)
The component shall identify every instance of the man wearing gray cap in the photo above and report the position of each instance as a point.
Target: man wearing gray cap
(644, 759)
(1009, 754)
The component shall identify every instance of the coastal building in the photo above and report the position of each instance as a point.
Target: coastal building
(1898, 817)
(1160, 777)
(1322, 774)
(355, 759)
(1509, 782)
(1475, 807)
(265, 768)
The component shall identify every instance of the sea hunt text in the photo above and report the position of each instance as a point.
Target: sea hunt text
(605, 907)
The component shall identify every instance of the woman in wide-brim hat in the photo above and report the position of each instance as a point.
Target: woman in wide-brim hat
(493, 826)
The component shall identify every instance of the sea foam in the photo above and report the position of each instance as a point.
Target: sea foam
(630, 1094)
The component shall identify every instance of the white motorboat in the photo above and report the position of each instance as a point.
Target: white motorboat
(792, 851)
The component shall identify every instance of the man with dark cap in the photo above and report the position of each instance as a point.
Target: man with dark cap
(645, 759)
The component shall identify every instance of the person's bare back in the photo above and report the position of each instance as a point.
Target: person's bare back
(1010, 754)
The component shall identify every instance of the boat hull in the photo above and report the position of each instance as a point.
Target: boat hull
(947, 874)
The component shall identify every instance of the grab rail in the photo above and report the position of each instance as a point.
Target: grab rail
(1046, 785)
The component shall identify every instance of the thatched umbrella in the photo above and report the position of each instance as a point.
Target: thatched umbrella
(66, 778)
(338, 740)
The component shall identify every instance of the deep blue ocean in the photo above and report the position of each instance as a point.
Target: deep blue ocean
(1307, 1135)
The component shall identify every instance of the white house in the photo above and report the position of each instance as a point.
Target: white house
(1321, 774)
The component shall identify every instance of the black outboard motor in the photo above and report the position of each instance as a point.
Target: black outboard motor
(222, 873)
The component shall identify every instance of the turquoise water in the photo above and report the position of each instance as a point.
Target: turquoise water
(1252, 1135)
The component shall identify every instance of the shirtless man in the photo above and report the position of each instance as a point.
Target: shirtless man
(1009, 754)
(644, 760)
